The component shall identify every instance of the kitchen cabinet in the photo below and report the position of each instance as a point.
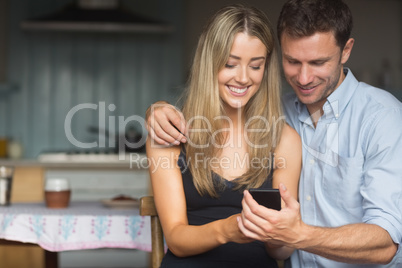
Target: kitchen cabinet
(27, 187)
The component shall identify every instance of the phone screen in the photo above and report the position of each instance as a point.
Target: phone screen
(270, 198)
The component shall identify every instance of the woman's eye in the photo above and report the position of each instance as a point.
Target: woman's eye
(255, 67)
(229, 65)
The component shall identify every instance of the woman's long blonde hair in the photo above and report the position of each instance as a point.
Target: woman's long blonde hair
(203, 105)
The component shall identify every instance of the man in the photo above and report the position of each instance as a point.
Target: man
(350, 196)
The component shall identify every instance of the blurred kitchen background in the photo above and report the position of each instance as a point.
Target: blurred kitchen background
(92, 77)
(44, 74)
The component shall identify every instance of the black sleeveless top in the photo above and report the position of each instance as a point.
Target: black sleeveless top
(205, 209)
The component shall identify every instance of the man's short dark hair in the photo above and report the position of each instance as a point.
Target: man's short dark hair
(300, 18)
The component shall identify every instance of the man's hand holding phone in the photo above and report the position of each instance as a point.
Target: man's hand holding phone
(276, 227)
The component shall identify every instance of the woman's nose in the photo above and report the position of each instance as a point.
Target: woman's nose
(242, 75)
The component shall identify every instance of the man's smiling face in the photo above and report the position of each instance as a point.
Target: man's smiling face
(313, 66)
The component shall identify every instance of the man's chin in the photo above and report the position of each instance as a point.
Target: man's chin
(306, 99)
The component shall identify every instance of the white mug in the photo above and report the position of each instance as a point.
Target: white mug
(57, 185)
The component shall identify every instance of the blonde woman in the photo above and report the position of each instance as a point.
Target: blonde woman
(237, 140)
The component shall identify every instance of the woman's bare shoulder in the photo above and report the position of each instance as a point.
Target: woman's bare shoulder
(290, 135)
(153, 150)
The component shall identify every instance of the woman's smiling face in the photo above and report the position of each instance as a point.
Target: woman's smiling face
(242, 74)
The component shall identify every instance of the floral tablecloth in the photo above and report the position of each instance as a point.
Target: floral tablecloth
(83, 225)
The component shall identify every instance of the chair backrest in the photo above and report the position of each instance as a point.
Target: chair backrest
(147, 208)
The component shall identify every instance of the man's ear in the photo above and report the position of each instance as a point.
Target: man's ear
(347, 50)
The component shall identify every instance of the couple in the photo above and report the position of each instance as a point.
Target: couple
(344, 142)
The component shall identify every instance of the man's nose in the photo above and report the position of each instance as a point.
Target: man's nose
(305, 75)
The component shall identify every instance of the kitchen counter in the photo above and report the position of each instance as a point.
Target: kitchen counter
(133, 161)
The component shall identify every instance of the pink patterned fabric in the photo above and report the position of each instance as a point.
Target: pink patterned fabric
(83, 225)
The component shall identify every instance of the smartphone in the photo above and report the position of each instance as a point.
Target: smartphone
(270, 198)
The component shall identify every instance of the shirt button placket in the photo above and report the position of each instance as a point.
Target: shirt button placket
(312, 162)
(306, 201)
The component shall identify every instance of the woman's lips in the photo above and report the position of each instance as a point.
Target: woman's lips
(238, 91)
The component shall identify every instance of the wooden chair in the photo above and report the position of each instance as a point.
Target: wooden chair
(147, 208)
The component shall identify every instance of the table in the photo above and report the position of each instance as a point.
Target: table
(83, 225)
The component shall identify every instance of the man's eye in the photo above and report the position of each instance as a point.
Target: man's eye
(318, 63)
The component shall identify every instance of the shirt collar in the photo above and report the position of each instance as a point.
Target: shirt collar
(338, 100)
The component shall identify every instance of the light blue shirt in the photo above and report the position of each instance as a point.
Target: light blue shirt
(352, 164)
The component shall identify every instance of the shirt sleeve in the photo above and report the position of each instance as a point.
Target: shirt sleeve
(288, 104)
(382, 170)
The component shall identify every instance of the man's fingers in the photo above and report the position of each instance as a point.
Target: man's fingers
(173, 132)
(252, 218)
(155, 138)
(176, 120)
(162, 135)
(290, 201)
(159, 126)
(246, 232)
(167, 124)
(158, 140)
(182, 127)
